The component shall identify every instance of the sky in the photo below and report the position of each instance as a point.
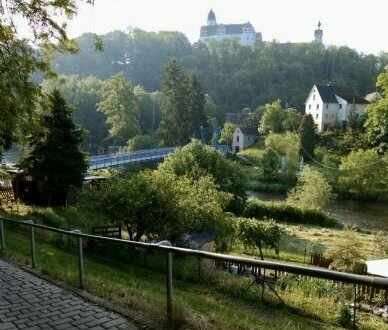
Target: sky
(360, 25)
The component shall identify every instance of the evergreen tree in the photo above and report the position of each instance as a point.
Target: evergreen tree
(175, 105)
(183, 106)
(308, 137)
(55, 159)
(197, 106)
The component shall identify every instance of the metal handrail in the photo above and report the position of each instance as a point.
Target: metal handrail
(375, 282)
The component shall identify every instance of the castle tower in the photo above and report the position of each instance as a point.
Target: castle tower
(211, 18)
(318, 34)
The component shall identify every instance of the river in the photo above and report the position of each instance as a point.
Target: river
(369, 215)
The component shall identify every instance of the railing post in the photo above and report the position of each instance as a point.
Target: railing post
(169, 284)
(80, 259)
(2, 236)
(32, 237)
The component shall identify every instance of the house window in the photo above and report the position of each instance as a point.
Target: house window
(326, 116)
(316, 116)
(310, 106)
(238, 138)
(317, 106)
(327, 106)
(340, 106)
(314, 97)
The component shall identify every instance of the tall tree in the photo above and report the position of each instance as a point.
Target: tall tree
(120, 107)
(83, 94)
(308, 137)
(197, 106)
(183, 106)
(55, 159)
(175, 128)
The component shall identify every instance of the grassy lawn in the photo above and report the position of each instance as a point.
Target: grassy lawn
(296, 239)
(254, 153)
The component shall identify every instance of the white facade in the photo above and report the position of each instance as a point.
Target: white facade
(331, 109)
(244, 34)
(242, 140)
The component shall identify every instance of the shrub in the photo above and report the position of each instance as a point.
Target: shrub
(282, 212)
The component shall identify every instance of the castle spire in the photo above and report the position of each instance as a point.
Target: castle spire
(318, 34)
(211, 18)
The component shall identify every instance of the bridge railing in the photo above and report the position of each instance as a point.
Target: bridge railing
(119, 159)
(169, 252)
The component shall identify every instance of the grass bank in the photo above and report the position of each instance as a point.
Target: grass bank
(219, 301)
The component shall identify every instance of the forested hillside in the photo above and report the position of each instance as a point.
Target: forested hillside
(234, 76)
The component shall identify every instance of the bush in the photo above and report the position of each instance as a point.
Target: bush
(282, 212)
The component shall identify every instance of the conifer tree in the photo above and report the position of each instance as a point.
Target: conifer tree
(308, 137)
(182, 107)
(55, 159)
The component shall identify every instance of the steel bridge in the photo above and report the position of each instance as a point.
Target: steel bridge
(136, 157)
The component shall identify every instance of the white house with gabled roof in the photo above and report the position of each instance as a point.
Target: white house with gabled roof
(244, 137)
(330, 105)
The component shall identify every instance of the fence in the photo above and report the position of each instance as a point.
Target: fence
(169, 251)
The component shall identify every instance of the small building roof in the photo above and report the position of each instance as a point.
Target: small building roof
(377, 267)
(236, 118)
(328, 93)
(252, 131)
(373, 97)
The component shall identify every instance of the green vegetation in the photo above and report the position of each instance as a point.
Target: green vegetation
(234, 76)
(182, 106)
(55, 160)
(254, 234)
(347, 255)
(312, 191)
(120, 107)
(21, 57)
(196, 160)
(376, 123)
(160, 204)
(283, 212)
(139, 284)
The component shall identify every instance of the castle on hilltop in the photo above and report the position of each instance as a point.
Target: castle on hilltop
(244, 33)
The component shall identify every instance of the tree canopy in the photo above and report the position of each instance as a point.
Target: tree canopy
(376, 123)
(120, 107)
(159, 204)
(20, 57)
(55, 159)
(196, 160)
(234, 76)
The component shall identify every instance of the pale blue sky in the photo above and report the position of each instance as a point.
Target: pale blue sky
(360, 25)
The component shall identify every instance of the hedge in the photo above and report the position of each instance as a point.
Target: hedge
(283, 212)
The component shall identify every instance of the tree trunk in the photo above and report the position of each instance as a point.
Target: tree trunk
(261, 251)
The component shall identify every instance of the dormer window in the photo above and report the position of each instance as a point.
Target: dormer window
(340, 105)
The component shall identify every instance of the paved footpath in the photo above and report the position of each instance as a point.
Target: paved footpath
(31, 303)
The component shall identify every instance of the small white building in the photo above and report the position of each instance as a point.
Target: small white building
(332, 106)
(244, 137)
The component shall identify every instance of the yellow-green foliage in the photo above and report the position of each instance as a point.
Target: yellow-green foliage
(312, 191)
(287, 145)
